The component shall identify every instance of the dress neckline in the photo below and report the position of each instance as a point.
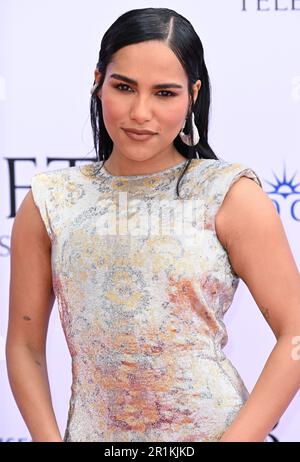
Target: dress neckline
(145, 175)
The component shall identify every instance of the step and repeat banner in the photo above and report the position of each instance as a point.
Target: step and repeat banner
(48, 53)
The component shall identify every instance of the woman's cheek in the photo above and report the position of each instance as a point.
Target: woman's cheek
(174, 114)
(113, 109)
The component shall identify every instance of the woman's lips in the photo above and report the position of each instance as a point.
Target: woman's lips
(136, 137)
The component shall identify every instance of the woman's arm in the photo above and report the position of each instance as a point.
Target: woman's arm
(30, 303)
(250, 229)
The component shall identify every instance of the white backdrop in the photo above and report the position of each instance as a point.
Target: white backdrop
(48, 52)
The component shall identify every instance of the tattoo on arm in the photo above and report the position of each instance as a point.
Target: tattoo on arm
(27, 318)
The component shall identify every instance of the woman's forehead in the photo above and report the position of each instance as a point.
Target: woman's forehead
(151, 62)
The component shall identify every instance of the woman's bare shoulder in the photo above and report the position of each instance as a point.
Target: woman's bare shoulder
(28, 224)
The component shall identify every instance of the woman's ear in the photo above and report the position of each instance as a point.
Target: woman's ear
(97, 75)
(196, 89)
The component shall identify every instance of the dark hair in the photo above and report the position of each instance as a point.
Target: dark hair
(174, 30)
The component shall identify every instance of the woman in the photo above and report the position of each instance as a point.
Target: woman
(142, 303)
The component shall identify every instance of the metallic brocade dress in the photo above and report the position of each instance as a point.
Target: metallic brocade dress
(141, 299)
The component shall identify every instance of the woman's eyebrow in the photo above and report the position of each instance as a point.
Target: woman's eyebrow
(134, 82)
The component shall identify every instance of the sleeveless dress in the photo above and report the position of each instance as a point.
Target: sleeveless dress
(142, 284)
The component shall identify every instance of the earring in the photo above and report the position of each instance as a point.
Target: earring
(187, 138)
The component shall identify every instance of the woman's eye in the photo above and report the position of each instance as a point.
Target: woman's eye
(122, 85)
(167, 91)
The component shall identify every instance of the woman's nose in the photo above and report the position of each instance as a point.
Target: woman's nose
(140, 110)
